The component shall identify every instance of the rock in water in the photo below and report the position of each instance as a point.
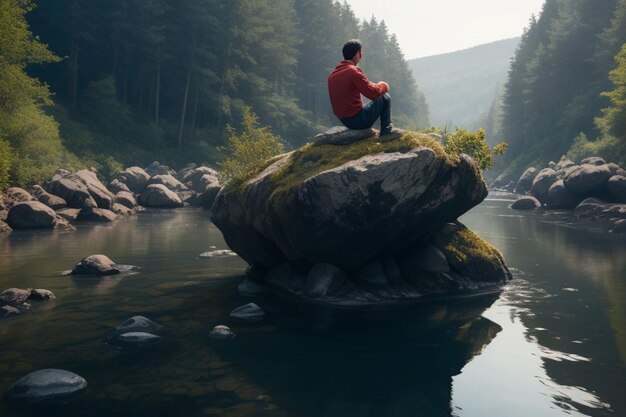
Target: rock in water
(31, 214)
(345, 205)
(221, 332)
(96, 265)
(54, 386)
(526, 203)
(138, 324)
(135, 340)
(249, 311)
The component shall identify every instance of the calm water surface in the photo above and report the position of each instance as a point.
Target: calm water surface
(552, 344)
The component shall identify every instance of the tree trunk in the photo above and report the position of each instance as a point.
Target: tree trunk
(184, 111)
(194, 115)
(158, 94)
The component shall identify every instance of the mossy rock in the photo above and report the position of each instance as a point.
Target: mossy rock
(346, 204)
(469, 255)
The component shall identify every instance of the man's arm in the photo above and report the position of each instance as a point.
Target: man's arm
(368, 88)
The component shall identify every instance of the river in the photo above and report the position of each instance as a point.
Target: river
(553, 343)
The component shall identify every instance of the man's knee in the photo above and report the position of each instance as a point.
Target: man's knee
(387, 97)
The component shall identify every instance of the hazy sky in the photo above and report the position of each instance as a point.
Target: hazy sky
(430, 27)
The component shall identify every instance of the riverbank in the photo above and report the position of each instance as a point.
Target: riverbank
(73, 197)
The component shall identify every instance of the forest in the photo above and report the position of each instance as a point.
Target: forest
(566, 88)
(107, 84)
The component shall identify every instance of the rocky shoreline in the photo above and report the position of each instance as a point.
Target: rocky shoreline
(74, 197)
(593, 189)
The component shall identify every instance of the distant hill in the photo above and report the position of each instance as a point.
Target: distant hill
(460, 87)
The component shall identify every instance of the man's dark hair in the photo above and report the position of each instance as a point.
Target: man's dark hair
(351, 48)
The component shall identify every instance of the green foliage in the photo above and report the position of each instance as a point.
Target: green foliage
(613, 120)
(608, 147)
(247, 151)
(6, 159)
(474, 145)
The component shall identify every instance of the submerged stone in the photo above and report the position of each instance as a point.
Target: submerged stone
(135, 340)
(96, 265)
(249, 311)
(221, 332)
(47, 386)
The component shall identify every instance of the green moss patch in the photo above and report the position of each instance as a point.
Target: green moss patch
(310, 160)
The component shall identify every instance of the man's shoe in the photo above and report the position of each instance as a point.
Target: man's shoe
(390, 134)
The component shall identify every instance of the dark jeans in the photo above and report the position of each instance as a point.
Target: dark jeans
(381, 107)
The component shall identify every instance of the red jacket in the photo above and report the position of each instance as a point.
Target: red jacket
(346, 83)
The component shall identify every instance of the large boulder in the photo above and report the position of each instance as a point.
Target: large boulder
(346, 205)
(99, 192)
(50, 200)
(126, 199)
(72, 190)
(207, 198)
(158, 195)
(169, 181)
(157, 168)
(198, 178)
(31, 214)
(617, 187)
(18, 195)
(587, 179)
(561, 197)
(116, 186)
(525, 181)
(526, 203)
(96, 215)
(135, 178)
(542, 183)
(96, 265)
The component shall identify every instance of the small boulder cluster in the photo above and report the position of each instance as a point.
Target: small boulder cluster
(81, 196)
(595, 189)
(15, 301)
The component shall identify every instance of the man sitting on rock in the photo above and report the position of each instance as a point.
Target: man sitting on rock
(347, 82)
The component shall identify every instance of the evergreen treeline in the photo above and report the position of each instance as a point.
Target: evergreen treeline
(161, 79)
(554, 101)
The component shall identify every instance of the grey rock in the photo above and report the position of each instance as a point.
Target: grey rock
(8, 311)
(207, 198)
(586, 179)
(47, 386)
(31, 214)
(135, 340)
(69, 214)
(589, 207)
(96, 265)
(525, 181)
(98, 191)
(138, 324)
(593, 160)
(121, 210)
(322, 280)
(14, 297)
(526, 203)
(221, 332)
(330, 216)
(561, 197)
(542, 183)
(469, 255)
(72, 190)
(430, 259)
(50, 200)
(223, 253)
(126, 199)
(615, 169)
(117, 186)
(168, 181)
(200, 177)
(617, 187)
(564, 163)
(340, 135)
(98, 215)
(251, 312)
(156, 168)
(135, 178)
(39, 294)
(157, 195)
(372, 273)
(5, 229)
(19, 195)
